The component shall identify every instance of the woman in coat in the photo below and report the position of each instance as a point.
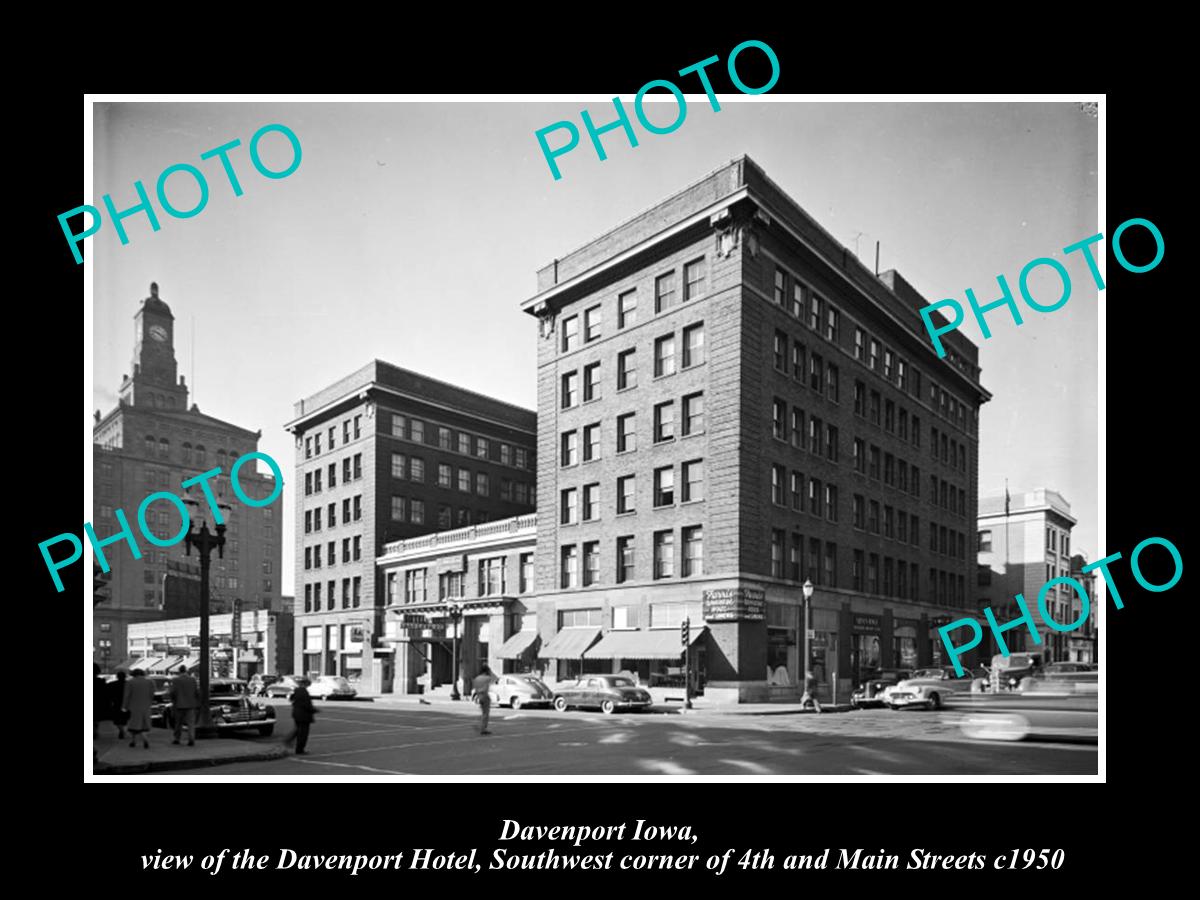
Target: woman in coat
(139, 697)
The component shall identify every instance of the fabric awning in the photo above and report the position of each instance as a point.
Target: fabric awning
(662, 643)
(128, 665)
(517, 645)
(570, 643)
(166, 664)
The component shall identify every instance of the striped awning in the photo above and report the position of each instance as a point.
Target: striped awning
(165, 664)
(662, 643)
(570, 643)
(517, 645)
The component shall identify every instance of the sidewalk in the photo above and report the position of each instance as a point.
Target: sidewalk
(116, 757)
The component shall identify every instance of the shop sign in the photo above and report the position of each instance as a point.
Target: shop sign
(161, 648)
(734, 605)
(939, 621)
(863, 622)
(178, 651)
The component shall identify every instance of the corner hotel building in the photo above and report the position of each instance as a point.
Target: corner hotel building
(730, 403)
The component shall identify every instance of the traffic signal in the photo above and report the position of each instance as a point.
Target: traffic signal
(685, 632)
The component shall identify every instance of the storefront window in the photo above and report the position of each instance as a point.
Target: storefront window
(905, 647)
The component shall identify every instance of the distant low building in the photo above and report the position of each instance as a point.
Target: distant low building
(262, 644)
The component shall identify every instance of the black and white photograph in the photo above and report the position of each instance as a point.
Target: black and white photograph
(440, 437)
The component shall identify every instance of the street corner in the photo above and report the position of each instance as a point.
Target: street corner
(116, 757)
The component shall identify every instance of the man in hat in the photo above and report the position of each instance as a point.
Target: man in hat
(185, 704)
(303, 712)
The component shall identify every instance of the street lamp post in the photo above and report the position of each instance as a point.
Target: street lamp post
(807, 591)
(205, 542)
(455, 611)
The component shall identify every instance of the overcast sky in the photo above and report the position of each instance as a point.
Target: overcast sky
(411, 232)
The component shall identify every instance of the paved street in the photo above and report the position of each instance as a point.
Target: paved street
(403, 739)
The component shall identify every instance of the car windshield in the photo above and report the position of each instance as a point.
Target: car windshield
(336, 680)
(621, 682)
(927, 673)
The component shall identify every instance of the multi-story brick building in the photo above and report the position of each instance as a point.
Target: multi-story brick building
(1082, 643)
(153, 441)
(1024, 542)
(730, 404)
(382, 455)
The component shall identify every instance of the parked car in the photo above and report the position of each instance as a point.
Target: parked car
(520, 690)
(283, 687)
(606, 692)
(331, 687)
(162, 699)
(869, 691)
(259, 684)
(932, 686)
(230, 709)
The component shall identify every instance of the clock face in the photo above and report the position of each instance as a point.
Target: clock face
(158, 332)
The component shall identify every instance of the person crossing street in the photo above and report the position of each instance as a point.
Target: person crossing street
(481, 687)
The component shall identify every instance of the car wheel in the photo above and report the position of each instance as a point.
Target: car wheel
(266, 730)
(608, 707)
(515, 701)
(560, 703)
(935, 700)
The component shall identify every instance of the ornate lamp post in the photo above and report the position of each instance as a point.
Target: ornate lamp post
(205, 542)
(454, 609)
(807, 591)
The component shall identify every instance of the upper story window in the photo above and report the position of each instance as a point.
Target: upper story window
(664, 292)
(570, 333)
(693, 280)
(591, 323)
(627, 309)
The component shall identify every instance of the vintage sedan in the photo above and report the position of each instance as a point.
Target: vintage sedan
(283, 687)
(331, 687)
(930, 687)
(230, 709)
(520, 690)
(870, 691)
(608, 693)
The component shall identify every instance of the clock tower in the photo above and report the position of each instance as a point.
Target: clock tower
(155, 380)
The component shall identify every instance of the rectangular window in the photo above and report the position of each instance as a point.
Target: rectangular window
(626, 433)
(591, 442)
(416, 431)
(889, 416)
(627, 309)
(888, 364)
(570, 389)
(332, 473)
(570, 333)
(856, 573)
(482, 450)
(985, 541)
(860, 398)
(832, 448)
(889, 469)
(399, 465)
(916, 431)
(797, 491)
(591, 323)
(626, 494)
(416, 512)
(569, 567)
(873, 359)
(357, 548)
(693, 345)
(664, 292)
(831, 502)
(483, 486)
(591, 382)
(778, 538)
(815, 430)
(664, 486)
(781, 279)
(444, 475)
(859, 510)
(798, 291)
(464, 480)
(664, 554)
(397, 509)
(693, 480)
(781, 345)
(627, 370)
(779, 419)
(860, 456)
(874, 408)
(799, 361)
(832, 390)
(830, 578)
(815, 497)
(591, 502)
(693, 280)
(416, 469)
(626, 561)
(526, 562)
(816, 373)
(889, 522)
(816, 306)
(902, 429)
(664, 356)
(778, 476)
(833, 325)
(664, 421)
(346, 550)
(693, 414)
(570, 448)
(591, 562)
(794, 558)
(399, 428)
(860, 340)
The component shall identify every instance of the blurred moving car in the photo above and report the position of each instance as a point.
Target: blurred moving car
(259, 683)
(1047, 708)
(932, 686)
(230, 709)
(283, 687)
(331, 687)
(606, 692)
(520, 690)
(869, 692)
(1007, 672)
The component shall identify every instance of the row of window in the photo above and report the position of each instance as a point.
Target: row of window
(662, 559)
(665, 363)
(197, 454)
(1056, 541)
(822, 498)
(822, 438)
(665, 427)
(351, 552)
(412, 468)
(819, 567)
(582, 504)
(351, 595)
(951, 452)
(351, 471)
(492, 573)
(312, 442)
(898, 473)
(810, 370)
(667, 294)
(463, 442)
(805, 304)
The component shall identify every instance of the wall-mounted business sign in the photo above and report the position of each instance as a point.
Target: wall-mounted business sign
(735, 605)
(864, 622)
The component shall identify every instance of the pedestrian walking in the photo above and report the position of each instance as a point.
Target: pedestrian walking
(482, 689)
(101, 710)
(139, 697)
(809, 700)
(302, 715)
(116, 702)
(185, 704)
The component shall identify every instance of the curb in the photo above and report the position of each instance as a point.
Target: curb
(154, 765)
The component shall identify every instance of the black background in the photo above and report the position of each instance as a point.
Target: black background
(1148, 449)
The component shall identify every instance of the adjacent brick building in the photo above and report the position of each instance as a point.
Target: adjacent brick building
(383, 455)
(153, 441)
(729, 404)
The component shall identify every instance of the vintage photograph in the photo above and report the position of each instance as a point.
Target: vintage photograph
(649, 469)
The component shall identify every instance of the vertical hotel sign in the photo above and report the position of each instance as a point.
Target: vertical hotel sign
(735, 605)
